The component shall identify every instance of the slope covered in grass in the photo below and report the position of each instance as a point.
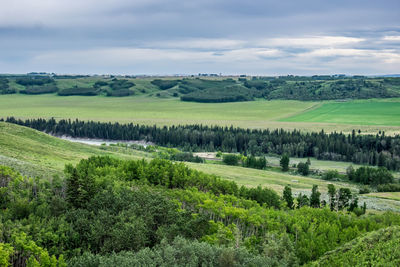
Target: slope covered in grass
(379, 248)
(34, 153)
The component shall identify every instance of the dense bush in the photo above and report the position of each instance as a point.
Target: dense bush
(115, 212)
(165, 84)
(380, 248)
(78, 91)
(303, 168)
(256, 163)
(34, 80)
(388, 188)
(373, 176)
(5, 88)
(116, 84)
(120, 93)
(43, 89)
(232, 93)
(230, 159)
(330, 175)
(186, 156)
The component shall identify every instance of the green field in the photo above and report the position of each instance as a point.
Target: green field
(149, 110)
(367, 115)
(360, 112)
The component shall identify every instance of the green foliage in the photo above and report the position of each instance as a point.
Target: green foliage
(234, 93)
(230, 159)
(39, 80)
(379, 248)
(332, 146)
(256, 163)
(284, 162)
(373, 176)
(388, 188)
(120, 92)
(40, 89)
(84, 91)
(330, 175)
(303, 168)
(164, 84)
(180, 252)
(5, 88)
(287, 196)
(186, 156)
(315, 201)
(6, 251)
(128, 207)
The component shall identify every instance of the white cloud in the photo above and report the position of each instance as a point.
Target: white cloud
(391, 38)
(312, 41)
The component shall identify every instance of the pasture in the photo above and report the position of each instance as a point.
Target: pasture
(370, 116)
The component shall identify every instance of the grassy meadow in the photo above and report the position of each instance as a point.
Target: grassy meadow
(370, 116)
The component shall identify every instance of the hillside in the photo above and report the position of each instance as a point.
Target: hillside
(378, 248)
(34, 153)
(209, 90)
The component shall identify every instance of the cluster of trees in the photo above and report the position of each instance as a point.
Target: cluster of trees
(186, 156)
(247, 162)
(48, 88)
(338, 200)
(380, 150)
(388, 188)
(233, 93)
(5, 88)
(370, 176)
(85, 91)
(110, 211)
(34, 80)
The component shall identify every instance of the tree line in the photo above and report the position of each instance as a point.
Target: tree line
(377, 150)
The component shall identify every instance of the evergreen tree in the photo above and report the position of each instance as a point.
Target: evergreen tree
(332, 196)
(284, 162)
(287, 196)
(315, 201)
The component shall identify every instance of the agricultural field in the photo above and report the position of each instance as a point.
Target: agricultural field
(357, 112)
(286, 114)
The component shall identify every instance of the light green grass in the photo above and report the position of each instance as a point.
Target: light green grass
(32, 152)
(386, 195)
(322, 165)
(149, 110)
(360, 112)
(261, 114)
(271, 179)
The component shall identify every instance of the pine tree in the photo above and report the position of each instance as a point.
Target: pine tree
(287, 196)
(315, 201)
(284, 162)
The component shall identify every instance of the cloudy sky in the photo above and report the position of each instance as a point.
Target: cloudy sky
(261, 37)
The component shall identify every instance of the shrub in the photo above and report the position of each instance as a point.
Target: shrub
(388, 188)
(330, 175)
(78, 91)
(230, 159)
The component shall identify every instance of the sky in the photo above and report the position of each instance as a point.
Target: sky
(167, 37)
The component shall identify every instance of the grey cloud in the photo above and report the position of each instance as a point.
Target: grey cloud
(154, 36)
